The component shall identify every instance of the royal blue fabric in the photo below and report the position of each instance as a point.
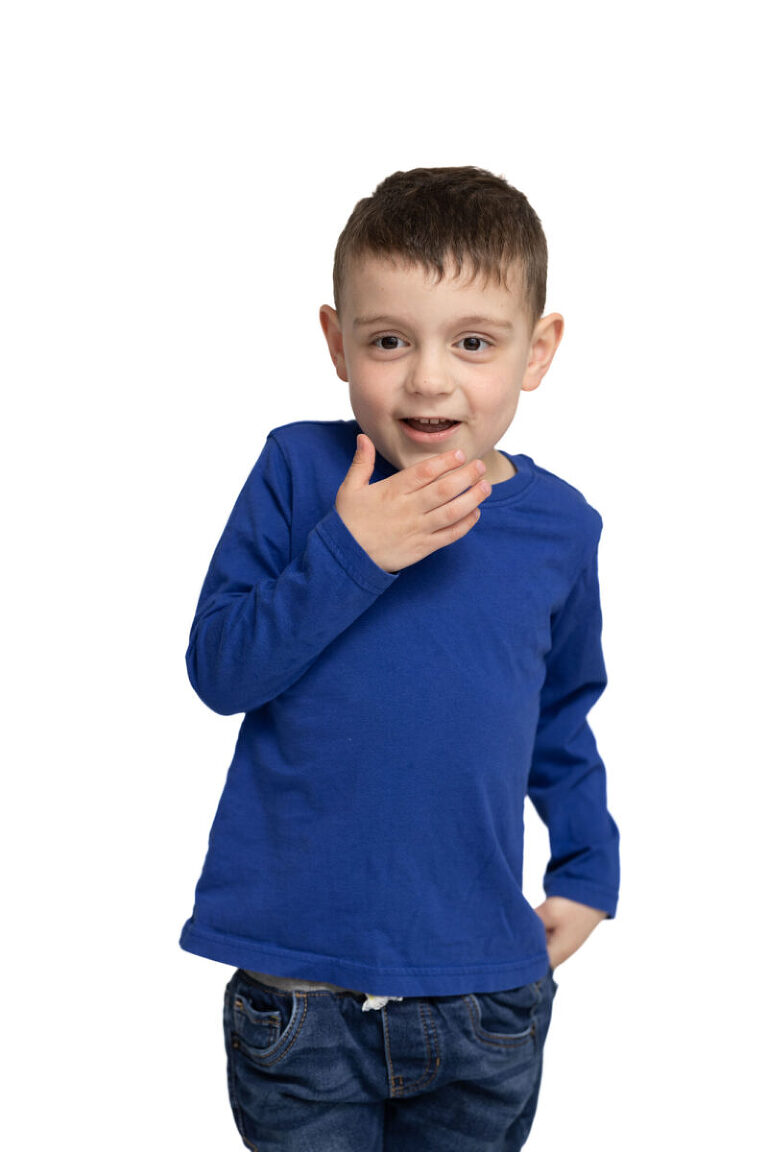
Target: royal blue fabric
(370, 830)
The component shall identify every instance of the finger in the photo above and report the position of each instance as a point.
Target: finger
(454, 531)
(447, 485)
(426, 471)
(445, 489)
(455, 507)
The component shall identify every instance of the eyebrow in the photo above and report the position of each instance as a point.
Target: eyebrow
(364, 321)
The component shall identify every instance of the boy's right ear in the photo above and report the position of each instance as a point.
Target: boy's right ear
(329, 322)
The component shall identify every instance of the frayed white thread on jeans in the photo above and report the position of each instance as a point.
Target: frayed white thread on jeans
(374, 1002)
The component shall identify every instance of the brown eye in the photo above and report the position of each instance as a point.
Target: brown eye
(388, 348)
(477, 340)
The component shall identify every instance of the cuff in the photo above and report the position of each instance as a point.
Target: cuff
(351, 556)
(593, 895)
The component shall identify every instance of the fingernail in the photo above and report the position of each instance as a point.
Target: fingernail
(459, 455)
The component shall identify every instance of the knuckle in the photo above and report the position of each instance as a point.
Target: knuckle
(444, 516)
(444, 489)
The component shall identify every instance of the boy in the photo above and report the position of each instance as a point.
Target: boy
(409, 668)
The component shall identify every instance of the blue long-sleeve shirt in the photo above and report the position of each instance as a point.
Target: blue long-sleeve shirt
(370, 830)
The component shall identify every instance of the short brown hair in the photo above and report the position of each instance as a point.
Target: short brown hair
(427, 214)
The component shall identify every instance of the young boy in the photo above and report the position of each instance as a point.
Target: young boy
(409, 618)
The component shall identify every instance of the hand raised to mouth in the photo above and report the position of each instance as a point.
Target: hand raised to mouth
(405, 517)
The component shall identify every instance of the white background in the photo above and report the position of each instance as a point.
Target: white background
(175, 178)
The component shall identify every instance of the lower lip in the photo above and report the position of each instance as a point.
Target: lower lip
(428, 437)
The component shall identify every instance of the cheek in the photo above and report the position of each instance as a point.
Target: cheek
(372, 388)
(494, 398)
(503, 393)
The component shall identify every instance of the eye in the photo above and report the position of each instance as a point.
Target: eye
(478, 339)
(391, 348)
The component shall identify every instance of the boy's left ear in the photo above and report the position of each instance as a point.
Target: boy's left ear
(545, 338)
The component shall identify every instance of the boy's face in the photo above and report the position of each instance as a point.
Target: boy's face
(410, 346)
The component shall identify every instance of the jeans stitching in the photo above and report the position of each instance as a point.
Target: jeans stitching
(234, 1100)
(431, 1040)
(397, 1084)
(270, 1057)
(496, 1040)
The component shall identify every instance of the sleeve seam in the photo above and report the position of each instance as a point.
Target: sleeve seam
(587, 559)
(287, 467)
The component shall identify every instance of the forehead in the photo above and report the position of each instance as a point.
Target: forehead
(378, 285)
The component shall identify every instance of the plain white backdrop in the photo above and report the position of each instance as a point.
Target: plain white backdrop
(175, 179)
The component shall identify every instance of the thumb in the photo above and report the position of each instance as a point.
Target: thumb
(361, 468)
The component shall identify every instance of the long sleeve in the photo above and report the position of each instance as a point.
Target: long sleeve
(263, 618)
(567, 784)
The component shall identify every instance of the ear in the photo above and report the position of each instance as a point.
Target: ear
(545, 338)
(329, 321)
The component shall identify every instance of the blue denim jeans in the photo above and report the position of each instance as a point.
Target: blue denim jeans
(312, 1072)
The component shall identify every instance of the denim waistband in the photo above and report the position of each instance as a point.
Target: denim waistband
(288, 984)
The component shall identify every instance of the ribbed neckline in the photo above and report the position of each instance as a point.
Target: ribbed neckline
(515, 486)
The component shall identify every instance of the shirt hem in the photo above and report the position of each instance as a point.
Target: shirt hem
(455, 980)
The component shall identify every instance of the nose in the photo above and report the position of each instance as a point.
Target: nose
(429, 375)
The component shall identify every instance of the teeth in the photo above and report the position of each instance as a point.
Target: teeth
(431, 420)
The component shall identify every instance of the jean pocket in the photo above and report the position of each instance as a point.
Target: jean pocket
(506, 1020)
(261, 1024)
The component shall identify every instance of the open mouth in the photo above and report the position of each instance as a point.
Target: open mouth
(431, 426)
(426, 432)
